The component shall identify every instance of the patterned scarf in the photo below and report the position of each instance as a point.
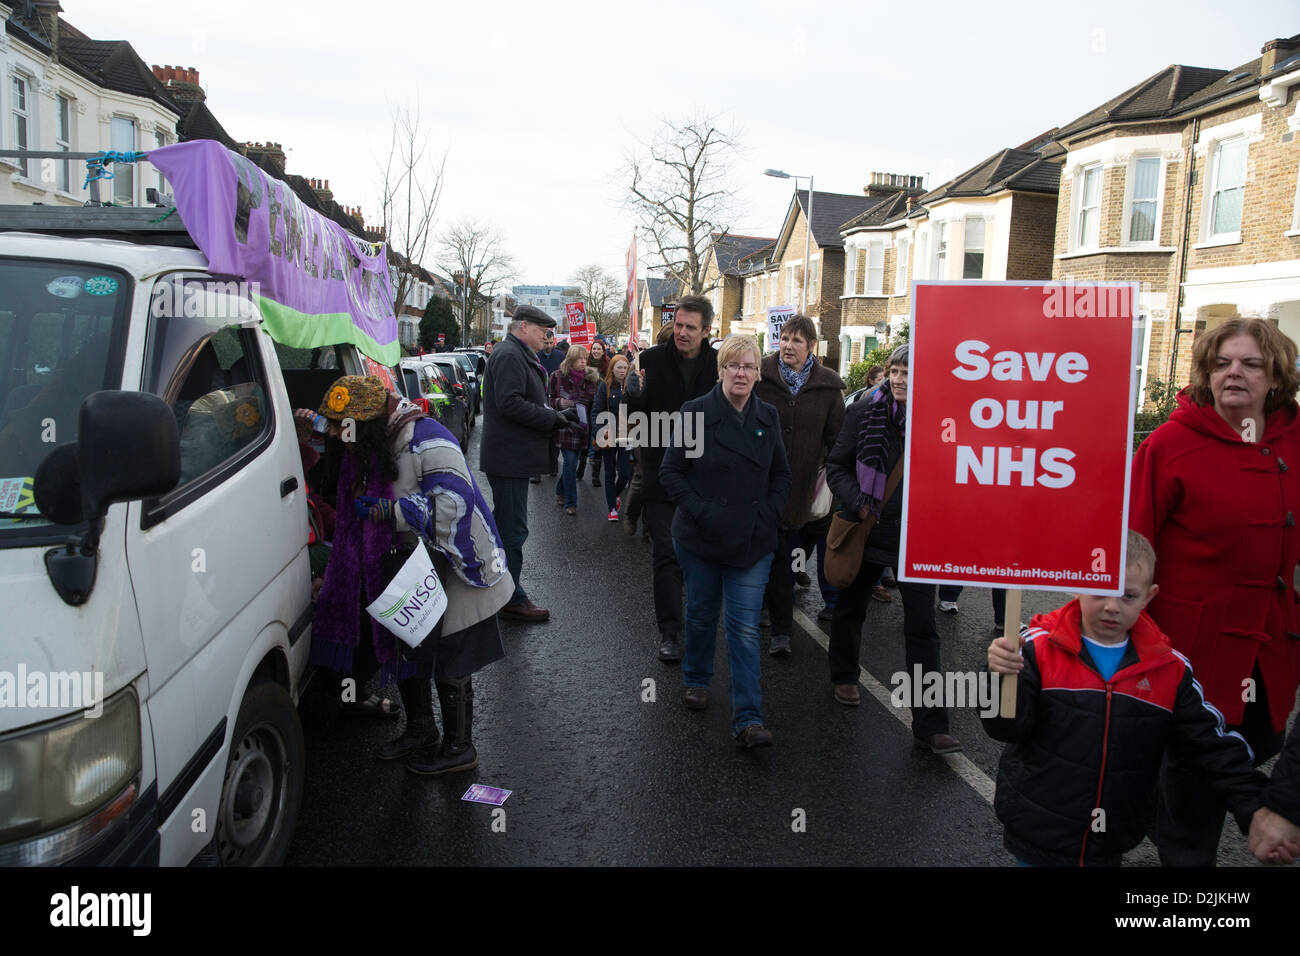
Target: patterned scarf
(877, 444)
(796, 380)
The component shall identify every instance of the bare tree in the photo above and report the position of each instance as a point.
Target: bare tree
(678, 190)
(474, 253)
(410, 187)
(604, 298)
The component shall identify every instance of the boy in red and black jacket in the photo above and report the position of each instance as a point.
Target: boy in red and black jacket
(1101, 695)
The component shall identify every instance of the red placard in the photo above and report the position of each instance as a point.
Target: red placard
(1019, 426)
(379, 371)
(580, 330)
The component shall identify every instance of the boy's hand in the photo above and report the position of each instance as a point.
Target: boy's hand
(1274, 838)
(1004, 655)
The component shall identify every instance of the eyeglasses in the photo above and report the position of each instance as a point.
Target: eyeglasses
(734, 367)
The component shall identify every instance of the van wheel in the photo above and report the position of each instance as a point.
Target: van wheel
(264, 780)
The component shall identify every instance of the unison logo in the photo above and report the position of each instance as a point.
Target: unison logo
(65, 690)
(405, 608)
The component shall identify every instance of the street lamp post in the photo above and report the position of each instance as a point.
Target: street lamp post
(807, 233)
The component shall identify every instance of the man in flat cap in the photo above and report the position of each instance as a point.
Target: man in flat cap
(517, 424)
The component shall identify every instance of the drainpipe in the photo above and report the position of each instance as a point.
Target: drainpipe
(1182, 258)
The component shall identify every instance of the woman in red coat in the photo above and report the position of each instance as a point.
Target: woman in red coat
(1217, 490)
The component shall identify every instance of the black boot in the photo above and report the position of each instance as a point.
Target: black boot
(457, 752)
(421, 734)
(421, 729)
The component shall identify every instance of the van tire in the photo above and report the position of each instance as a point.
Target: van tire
(263, 785)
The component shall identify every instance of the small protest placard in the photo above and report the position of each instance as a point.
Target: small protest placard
(777, 316)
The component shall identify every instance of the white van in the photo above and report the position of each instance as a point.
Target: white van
(150, 666)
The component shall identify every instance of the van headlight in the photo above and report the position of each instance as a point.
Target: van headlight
(76, 776)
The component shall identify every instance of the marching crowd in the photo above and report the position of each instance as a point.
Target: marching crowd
(1155, 706)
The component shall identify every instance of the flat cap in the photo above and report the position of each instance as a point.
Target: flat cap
(536, 316)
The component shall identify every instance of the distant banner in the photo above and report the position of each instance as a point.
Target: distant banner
(777, 316)
(318, 284)
(632, 303)
(670, 313)
(581, 332)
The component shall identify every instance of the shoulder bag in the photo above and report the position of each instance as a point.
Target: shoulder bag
(846, 540)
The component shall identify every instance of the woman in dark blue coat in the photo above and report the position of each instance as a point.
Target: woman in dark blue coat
(729, 487)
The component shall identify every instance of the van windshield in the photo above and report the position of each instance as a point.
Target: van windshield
(62, 325)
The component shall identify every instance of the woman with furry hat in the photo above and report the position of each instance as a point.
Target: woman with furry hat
(401, 477)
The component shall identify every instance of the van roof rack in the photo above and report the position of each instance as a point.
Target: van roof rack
(159, 226)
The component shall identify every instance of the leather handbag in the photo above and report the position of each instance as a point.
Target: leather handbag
(846, 540)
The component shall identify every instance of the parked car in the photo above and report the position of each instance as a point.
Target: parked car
(433, 385)
(461, 384)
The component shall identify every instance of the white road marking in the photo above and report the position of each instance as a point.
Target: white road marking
(959, 763)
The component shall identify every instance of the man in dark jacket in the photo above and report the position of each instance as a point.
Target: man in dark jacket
(550, 357)
(517, 426)
(672, 374)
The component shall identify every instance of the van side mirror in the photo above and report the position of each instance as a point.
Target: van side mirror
(57, 486)
(128, 447)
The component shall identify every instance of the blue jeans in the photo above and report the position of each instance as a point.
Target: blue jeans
(510, 512)
(568, 483)
(707, 584)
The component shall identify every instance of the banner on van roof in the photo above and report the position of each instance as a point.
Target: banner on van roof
(318, 284)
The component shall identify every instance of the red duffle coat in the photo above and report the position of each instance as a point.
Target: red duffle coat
(1222, 515)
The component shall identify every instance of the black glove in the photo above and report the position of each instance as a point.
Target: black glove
(566, 418)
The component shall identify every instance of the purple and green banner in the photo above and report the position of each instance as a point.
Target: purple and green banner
(319, 285)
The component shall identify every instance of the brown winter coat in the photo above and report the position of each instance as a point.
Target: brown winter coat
(809, 423)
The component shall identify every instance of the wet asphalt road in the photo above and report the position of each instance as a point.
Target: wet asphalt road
(602, 777)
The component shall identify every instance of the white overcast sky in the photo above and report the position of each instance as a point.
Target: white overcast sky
(537, 103)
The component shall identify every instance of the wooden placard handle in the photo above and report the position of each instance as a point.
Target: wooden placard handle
(1011, 629)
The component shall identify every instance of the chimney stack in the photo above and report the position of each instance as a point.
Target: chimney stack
(182, 83)
(321, 187)
(262, 152)
(886, 184)
(1275, 51)
(47, 11)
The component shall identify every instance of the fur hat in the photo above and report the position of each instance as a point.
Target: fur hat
(359, 397)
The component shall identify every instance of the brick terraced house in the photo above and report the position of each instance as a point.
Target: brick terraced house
(1187, 183)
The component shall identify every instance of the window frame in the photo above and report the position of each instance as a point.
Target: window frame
(1209, 200)
(122, 170)
(902, 246)
(1077, 238)
(873, 247)
(940, 251)
(966, 250)
(154, 511)
(63, 110)
(850, 268)
(28, 114)
(1130, 201)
